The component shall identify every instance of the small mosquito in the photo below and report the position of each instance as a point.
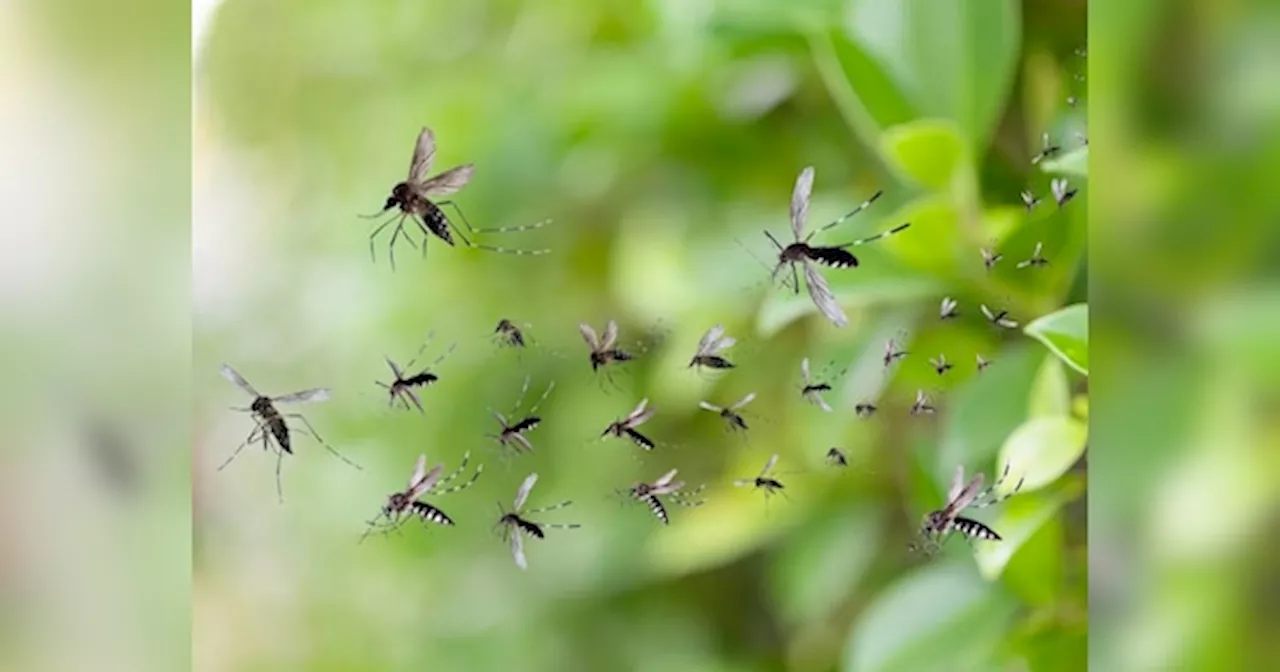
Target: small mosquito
(923, 404)
(509, 335)
(813, 391)
(763, 481)
(961, 496)
(837, 458)
(514, 523)
(1062, 193)
(1072, 100)
(269, 422)
(403, 505)
(413, 198)
(1029, 200)
(941, 365)
(649, 493)
(949, 308)
(732, 418)
(603, 352)
(402, 387)
(800, 252)
(1050, 150)
(709, 348)
(1036, 260)
(627, 426)
(891, 351)
(1000, 319)
(990, 257)
(865, 409)
(512, 434)
(983, 363)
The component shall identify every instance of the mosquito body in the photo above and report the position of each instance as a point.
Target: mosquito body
(891, 351)
(949, 309)
(983, 363)
(733, 420)
(837, 458)
(923, 404)
(604, 351)
(406, 504)
(509, 335)
(404, 388)
(1036, 260)
(941, 365)
(812, 390)
(990, 257)
(627, 426)
(515, 524)
(999, 318)
(511, 433)
(1029, 200)
(938, 524)
(1062, 192)
(865, 409)
(665, 486)
(1050, 150)
(709, 348)
(270, 424)
(800, 252)
(763, 481)
(414, 199)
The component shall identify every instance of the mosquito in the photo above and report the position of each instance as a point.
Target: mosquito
(763, 481)
(627, 426)
(923, 404)
(269, 422)
(837, 458)
(891, 351)
(961, 496)
(800, 252)
(990, 257)
(1029, 200)
(413, 198)
(812, 391)
(514, 523)
(941, 365)
(949, 308)
(1062, 193)
(603, 352)
(665, 486)
(512, 434)
(732, 418)
(709, 348)
(1000, 318)
(402, 387)
(403, 505)
(1050, 150)
(865, 409)
(509, 335)
(1036, 260)
(983, 363)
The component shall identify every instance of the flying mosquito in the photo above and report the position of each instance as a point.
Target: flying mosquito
(649, 493)
(983, 363)
(938, 524)
(812, 391)
(990, 257)
(603, 351)
(709, 348)
(402, 388)
(800, 252)
(941, 365)
(923, 404)
(865, 409)
(1029, 200)
(509, 335)
(949, 308)
(1036, 261)
(413, 198)
(514, 523)
(1061, 191)
(733, 420)
(1050, 150)
(891, 351)
(403, 505)
(1000, 318)
(764, 482)
(837, 458)
(269, 422)
(512, 434)
(627, 426)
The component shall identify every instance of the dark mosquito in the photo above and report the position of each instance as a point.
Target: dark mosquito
(800, 252)
(509, 335)
(269, 422)
(891, 351)
(512, 432)
(938, 524)
(1050, 150)
(649, 493)
(405, 504)
(1062, 193)
(402, 387)
(1036, 260)
(983, 363)
(413, 198)
(990, 257)
(603, 352)
(1029, 200)
(733, 420)
(941, 365)
(949, 308)
(709, 348)
(923, 404)
(627, 426)
(763, 481)
(999, 318)
(514, 523)
(812, 390)
(837, 458)
(865, 409)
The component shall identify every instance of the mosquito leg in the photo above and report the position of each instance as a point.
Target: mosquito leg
(466, 458)
(248, 440)
(279, 484)
(378, 229)
(795, 279)
(543, 398)
(520, 399)
(561, 526)
(462, 486)
(883, 234)
(552, 507)
(321, 441)
(845, 217)
(501, 229)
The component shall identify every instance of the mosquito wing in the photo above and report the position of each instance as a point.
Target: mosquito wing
(987, 311)
(523, 493)
(517, 549)
(427, 481)
(708, 406)
(447, 182)
(804, 370)
(239, 381)
(610, 335)
(723, 344)
(743, 402)
(800, 201)
(966, 495)
(423, 153)
(419, 470)
(822, 296)
(589, 335)
(315, 394)
(816, 398)
(394, 369)
(773, 459)
(709, 339)
(641, 415)
(957, 483)
(665, 478)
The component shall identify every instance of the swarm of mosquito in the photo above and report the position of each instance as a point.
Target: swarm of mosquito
(800, 252)
(402, 387)
(665, 486)
(1036, 260)
(710, 346)
(406, 504)
(512, 433)
(626, 427)
(270, 424)
(414, 197)
(938, 525)
(515, 524)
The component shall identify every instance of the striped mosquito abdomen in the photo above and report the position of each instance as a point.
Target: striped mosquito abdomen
(974, 529)
(525, 425)
(638, 438)
(435, 220)
(834, 257)
(430, 513)
(711, 362)
(656, 507)
(768, 483)
(266, 411)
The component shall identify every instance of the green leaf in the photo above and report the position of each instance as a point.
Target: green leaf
(1050, 393)
(1066, 334)
(1021, 518)
(1035, 571)
(823, 562)
(1074, 163)
(984, 410)
(954, 59)
(942, 617)
(927, 152)
(1043, 449)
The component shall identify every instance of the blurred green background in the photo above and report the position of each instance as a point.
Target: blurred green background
(662, 137)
